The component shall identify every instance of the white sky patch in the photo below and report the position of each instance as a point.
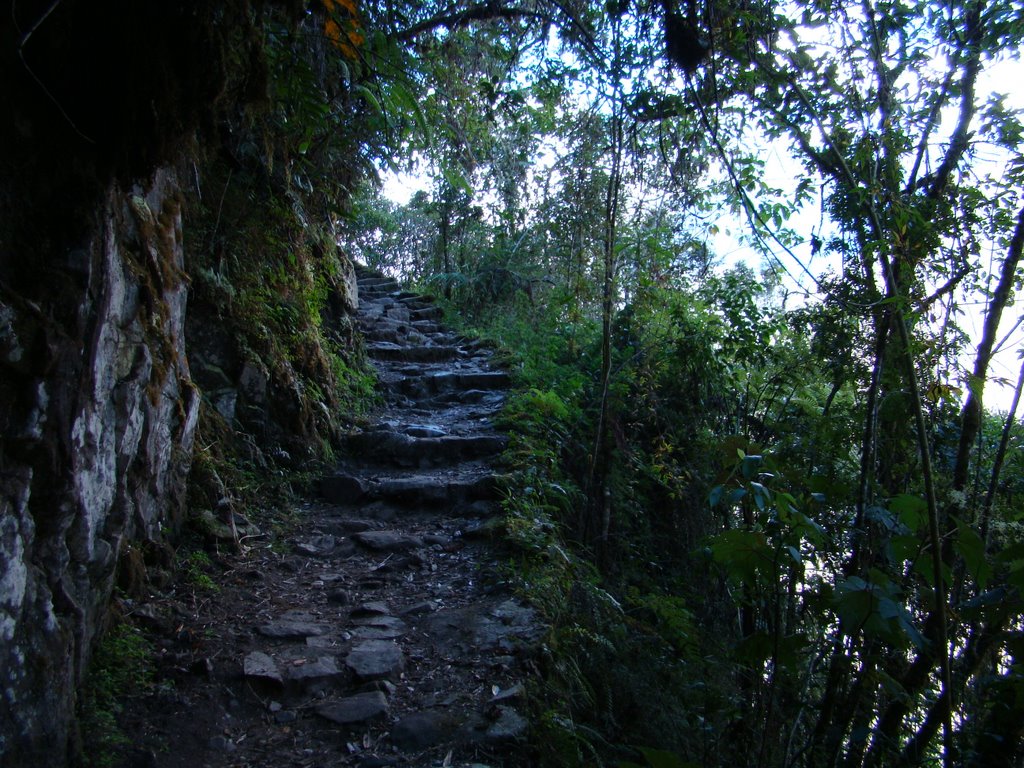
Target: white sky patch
(400, 187)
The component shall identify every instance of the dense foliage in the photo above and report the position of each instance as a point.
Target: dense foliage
(773, 528)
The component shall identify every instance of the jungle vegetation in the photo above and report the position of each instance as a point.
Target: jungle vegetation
(769, 510)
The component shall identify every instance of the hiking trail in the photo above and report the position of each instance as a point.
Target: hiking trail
(382, 632)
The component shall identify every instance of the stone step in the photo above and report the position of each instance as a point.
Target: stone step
(378, 285)
(383, 322)
(424, 387)
(431, 312)
(423, 489)
(492, 399)
(401, 450)
(397, 333)
(390, 310)
(395, 352)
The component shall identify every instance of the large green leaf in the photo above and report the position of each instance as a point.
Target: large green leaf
(972, 549)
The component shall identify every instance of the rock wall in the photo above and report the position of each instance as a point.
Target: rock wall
(97, 418)
(113, 115)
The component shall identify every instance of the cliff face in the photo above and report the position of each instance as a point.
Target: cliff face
(118, 120)
(97, 442)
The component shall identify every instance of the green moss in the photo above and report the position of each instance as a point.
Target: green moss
(121, 669)
(196, 570)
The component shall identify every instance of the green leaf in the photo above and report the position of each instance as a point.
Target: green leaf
(456, 179)
(750, 466)
(795, 554)
(660, 758)
(742, 553)
(972, 549)
(911, 510)
(736, 494)
(854, 602)
(370, 98)
(715, 496)
(755, 649)
(905, 547)
(923, 567)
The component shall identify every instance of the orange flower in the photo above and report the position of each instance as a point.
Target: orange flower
(345, 36)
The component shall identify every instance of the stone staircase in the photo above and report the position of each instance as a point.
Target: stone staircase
(435, 442)
(382, 630)
(436, 657)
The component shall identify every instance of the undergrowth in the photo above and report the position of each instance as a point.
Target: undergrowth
(121, 670)
(624, 679)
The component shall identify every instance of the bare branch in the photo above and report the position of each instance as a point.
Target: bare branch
(460, 18)
(961, 134)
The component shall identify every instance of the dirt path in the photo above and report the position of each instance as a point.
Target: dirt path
(381, 633)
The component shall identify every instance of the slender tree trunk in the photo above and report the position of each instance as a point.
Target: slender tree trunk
(970, 418)
(997, 464)
(598, 491)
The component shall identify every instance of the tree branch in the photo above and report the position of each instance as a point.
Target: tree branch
(961, 134)
(947, 287)
(485, 11)
(970, 418)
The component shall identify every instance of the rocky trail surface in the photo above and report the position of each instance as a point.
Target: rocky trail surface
(382, 632)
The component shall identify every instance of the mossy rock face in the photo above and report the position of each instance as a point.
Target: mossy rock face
(270, 332)
(109, 175)
(224, 529)
(97, 451)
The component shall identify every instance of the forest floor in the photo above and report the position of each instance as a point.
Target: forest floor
(382, 630)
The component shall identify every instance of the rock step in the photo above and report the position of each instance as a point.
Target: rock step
(491, 399)
(378, 285)
(404, 335)
(432, 312)
(412, 489)
(422, 387)
(389, 310)
(401, 326)
(395, 352)
(395, 449)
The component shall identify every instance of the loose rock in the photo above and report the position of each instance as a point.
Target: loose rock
(374, 659)
(288, 629)
(388, 541)
(421, 730)
(261, 665)
(355, 709)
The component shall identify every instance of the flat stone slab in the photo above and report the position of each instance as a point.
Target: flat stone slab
(388, 541)
(509, 726)
(355, 709)
(345, 526)
(390, 351)
(516, 691)
(420, 608)
(342, 489)
(432, 489)
(421, 730)
(324, 642)
(379, 628)
(370, 608)
(260, 665)
(317, 546)
(291, 629)
(375, 633)
(322, 669)
(506, 627)
(423, 430)
(375, 659)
